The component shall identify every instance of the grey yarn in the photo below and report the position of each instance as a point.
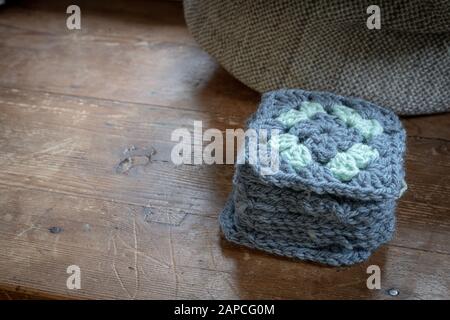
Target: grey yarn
(309, 214)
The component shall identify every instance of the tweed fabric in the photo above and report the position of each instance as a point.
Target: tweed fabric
(308, 213)
(326, 46)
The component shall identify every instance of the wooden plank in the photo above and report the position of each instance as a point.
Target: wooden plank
(160, 68)
(123, 256)
(18, 295)
(112, 21)
(430, 126)
(71, 146)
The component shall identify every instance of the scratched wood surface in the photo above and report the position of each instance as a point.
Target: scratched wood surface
(76, 106)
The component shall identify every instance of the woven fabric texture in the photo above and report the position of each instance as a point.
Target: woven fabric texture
(326, 46)
(308, 209)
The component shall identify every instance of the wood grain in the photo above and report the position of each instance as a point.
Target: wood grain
(124, 256)
(75, 106)
(116, 55)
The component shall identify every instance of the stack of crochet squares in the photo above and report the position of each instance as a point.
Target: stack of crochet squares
(333, 198)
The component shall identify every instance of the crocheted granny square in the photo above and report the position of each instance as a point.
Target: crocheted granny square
(341, 171)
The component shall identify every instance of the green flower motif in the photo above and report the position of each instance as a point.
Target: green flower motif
(345, 165)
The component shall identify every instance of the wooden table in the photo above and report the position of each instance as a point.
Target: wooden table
(81, 110)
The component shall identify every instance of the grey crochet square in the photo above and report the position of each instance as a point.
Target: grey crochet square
(338, 206)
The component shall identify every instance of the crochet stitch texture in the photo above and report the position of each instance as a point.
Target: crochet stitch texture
(341, 171)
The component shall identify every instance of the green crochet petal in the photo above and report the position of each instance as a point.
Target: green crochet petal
(283, 141)
(368, 127)
(343, 166)
(298, 156)
(311, 108)
(291, 117)
(362, 154)
(307, 110)
(346, 114)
